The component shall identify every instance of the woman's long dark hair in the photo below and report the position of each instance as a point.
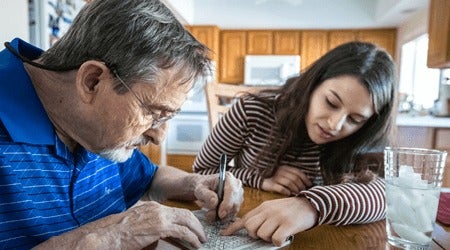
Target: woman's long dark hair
(376, 71)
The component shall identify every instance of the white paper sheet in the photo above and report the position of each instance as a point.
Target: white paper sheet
(239, 241)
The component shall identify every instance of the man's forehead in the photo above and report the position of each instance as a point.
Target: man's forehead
(170, 97)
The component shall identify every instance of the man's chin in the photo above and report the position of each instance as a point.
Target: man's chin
(117, 154)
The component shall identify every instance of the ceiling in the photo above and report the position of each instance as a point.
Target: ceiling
(296, 14)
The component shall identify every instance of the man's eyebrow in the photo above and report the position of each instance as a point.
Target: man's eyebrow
(162, 107)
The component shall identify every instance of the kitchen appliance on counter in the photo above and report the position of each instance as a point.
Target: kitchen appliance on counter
(270, 70)
(187, 132)
(189, 129)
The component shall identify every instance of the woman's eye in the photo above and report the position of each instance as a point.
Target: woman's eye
(354, 121)
(331, 104)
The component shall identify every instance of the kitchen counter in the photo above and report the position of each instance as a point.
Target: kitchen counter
(423, 121)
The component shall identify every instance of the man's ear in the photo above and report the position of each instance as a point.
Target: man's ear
(89, 75)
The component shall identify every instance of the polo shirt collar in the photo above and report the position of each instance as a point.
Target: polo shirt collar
(21, 111)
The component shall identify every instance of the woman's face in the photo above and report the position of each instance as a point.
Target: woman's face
(338, 108)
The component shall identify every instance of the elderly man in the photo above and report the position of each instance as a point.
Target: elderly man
(71, 119)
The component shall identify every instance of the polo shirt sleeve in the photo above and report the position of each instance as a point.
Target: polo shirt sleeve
(137, 174)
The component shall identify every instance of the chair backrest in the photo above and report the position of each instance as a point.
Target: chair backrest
(220, 96)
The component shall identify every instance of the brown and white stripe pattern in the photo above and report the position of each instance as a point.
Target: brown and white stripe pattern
(242, 134)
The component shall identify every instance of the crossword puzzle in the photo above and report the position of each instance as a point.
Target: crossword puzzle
(239, 241)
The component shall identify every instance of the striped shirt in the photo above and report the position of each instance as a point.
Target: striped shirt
(45, 189)
(243, 132)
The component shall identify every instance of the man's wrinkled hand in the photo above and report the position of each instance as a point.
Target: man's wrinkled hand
(149, 221)
(206, 194)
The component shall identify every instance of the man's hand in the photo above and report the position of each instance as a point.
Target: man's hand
(206, 194)
(138, 227)
(275, 220)
(287, 180)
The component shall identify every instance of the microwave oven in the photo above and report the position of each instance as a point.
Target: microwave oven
(271, 70)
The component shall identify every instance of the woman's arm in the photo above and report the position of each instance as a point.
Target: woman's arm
(342, 204)
(229, 136)
(348, 203)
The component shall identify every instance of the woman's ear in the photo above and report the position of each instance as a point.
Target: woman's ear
(89, 76)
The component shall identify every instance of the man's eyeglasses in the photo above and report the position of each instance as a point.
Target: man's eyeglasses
(157, 119)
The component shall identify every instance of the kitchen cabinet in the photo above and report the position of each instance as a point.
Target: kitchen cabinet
(442, 139)
(153, 152)
(439, 34)
(338, 37)
(423, 132)
(415, 137)
(259, 42)
(208, 35)
(314, 44)
(233, 44)
(384, 38)
(286, 42)
(183, 162)
(309, 44)
(427, 137)
(442, 142)
(276, 42)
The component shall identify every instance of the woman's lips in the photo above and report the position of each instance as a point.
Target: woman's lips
(324, 133)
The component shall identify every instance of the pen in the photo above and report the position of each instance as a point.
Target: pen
(220, 191)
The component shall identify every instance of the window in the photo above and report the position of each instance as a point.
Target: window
(419, 85)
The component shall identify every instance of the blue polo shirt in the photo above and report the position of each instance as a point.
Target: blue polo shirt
(45, 189)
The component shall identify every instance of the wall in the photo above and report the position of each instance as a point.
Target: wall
(13, 20)
(412, 28)
(182, 9)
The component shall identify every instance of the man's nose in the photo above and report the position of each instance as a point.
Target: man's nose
(157, 135)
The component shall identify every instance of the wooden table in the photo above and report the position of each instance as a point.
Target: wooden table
(367, 236)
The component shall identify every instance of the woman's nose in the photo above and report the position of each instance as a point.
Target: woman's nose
(336, 121)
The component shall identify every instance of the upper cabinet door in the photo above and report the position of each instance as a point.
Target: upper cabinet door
(384, 38)
(314, 44)
(439, 34)
(208, 35)
(259, 42)
(286, 42)
(338, 37)
(232, 52)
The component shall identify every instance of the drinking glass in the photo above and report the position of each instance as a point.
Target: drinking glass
(413, 182)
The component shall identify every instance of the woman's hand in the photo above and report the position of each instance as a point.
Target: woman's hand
(287, 180)
(206, 195)
(275, 220)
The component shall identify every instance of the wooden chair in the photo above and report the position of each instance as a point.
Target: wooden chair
(220, 96)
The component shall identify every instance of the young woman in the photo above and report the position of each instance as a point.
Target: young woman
(306, 140)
